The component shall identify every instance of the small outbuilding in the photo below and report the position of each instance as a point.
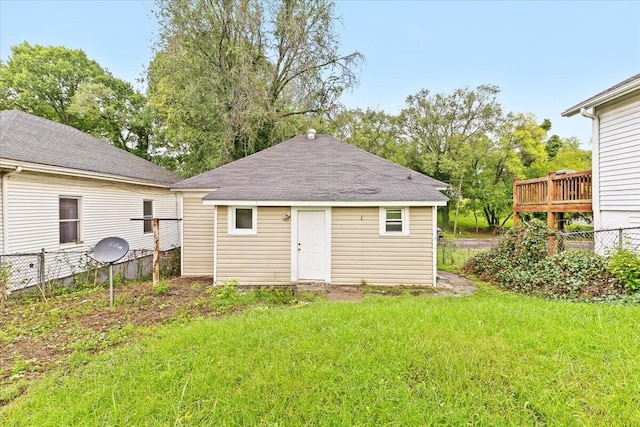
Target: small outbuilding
(311, 209)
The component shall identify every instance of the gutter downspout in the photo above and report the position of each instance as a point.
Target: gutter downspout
(5, 207)
(595, 166)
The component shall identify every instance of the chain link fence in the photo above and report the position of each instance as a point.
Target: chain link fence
(602, 242)
(452, 251)
(455, 251)
(46, 269)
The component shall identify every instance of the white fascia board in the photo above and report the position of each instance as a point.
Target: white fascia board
(373, 203)
(193, 190)
(35, 167)
(604, 98)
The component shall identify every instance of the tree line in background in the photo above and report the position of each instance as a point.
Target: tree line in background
(232, 77)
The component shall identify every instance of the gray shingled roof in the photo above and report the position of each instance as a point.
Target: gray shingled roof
(322, 169)
(28, 138)
(630, 84)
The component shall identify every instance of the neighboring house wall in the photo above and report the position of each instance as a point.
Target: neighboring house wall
(197, 229)
(106, 209)
(619, 157)
(359, 253)
(1, 219)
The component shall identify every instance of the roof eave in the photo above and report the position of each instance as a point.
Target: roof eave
(39, 168)
(333, 203)
(603, 98)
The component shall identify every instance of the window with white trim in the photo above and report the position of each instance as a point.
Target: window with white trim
(394, 221)
(69, 218)
(147, 212)
(243, 220)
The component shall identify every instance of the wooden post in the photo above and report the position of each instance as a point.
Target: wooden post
(156, 251)
(551, 223)
(42, 274)
(516, 201)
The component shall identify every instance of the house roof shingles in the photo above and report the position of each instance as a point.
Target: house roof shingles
(321, 169)
(28, 138)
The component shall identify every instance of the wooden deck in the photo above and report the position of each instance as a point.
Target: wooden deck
(554, 194)
(570, 192)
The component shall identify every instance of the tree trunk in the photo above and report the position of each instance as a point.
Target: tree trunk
(455, 220)
(475, 216)
(445, 216)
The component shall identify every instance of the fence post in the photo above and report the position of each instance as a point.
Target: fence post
(620, 244)
(41, 272)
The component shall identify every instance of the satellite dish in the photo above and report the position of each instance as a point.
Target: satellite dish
(110, 249)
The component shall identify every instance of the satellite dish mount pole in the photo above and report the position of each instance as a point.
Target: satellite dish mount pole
(108, 251)
(110, 285)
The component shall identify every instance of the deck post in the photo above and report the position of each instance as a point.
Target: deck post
(551, 223)
(551, 242)
(516, 200)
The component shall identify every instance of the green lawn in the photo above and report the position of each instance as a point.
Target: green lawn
(489, 359)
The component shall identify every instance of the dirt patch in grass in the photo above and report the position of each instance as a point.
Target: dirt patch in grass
(39, 335)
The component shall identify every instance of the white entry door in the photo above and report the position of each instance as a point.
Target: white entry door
(311, 245)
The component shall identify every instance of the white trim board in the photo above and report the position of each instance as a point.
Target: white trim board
(57, 170)
(323, 204)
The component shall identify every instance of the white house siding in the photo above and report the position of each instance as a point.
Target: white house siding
(1, 216)
(259, 259)
(359, 253)
(197, 229)
(619, 162)
(106, 210)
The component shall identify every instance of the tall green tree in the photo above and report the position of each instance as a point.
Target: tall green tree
(371, 130)
(443, 129)
(42, 80)
(65, 86)
(570, 156)
(516, 151)
(115, 112)
(231, 77)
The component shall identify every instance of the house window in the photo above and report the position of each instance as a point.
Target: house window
(147, 212)
(69, 220)
(394, 221)
(243, 220)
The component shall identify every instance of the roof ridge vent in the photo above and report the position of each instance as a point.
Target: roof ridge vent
(311, 134)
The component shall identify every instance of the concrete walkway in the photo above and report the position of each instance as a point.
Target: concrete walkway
(450, 284)
(447, 285)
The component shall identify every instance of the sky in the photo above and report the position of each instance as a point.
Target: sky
(545, 56)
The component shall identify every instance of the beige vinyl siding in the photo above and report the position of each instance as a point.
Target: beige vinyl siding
(106, 209)
(619, 156)
(197, 229)
(256, 259)
(359, 253)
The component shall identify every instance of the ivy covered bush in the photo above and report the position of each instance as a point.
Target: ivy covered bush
(521, 264)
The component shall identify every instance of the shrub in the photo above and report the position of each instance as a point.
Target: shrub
(5, 274)
(625, 265)
(521, 264)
